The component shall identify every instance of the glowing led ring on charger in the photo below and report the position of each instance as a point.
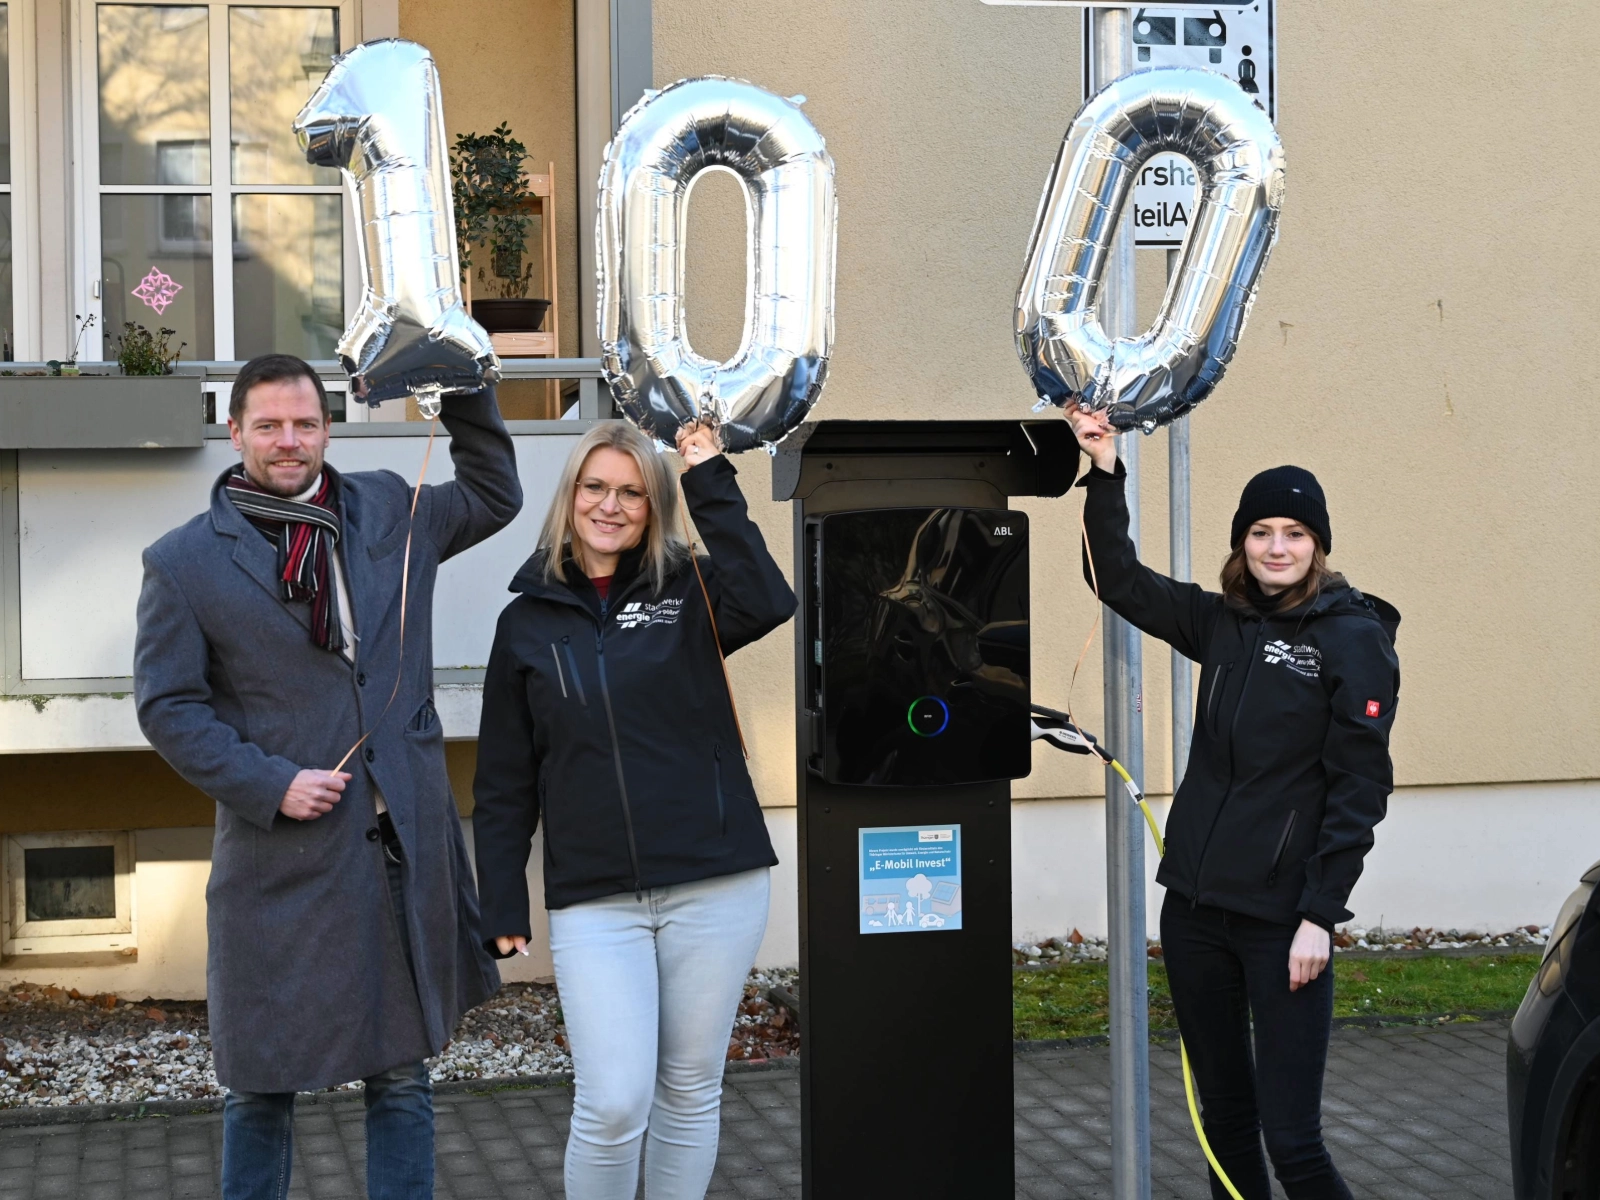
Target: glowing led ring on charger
(943, 725)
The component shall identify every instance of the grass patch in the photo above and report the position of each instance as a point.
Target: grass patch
(1072, 1000)
(1430, 984)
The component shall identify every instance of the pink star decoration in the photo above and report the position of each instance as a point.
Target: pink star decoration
(158, 289)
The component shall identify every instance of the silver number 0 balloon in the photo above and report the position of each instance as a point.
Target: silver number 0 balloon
(665, 142)
(378, 117)
(1155, 378)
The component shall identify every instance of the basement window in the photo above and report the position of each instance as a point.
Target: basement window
(67, 893)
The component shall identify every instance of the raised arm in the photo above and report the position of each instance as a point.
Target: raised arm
(505, 792)
(1180, 614)
(748, 591)
(173, 696)
(486, 493)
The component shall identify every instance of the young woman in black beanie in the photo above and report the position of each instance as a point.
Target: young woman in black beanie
(1288, 773)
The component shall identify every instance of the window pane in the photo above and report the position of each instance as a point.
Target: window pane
(156, 261)
(5, 97)
(8, 339)
(288, 275)
(70, 883)
(155, 95)
(276, 58)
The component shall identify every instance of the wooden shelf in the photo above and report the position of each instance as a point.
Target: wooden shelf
(541, 204)
(524, 345)
(540, 398)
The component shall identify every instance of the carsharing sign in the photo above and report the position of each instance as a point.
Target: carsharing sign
(1233, 40)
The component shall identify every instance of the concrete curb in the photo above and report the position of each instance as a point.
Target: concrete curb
(84, 1114)
(1046, 1045)
(1348, 955)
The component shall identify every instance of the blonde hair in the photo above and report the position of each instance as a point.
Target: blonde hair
(665, 549)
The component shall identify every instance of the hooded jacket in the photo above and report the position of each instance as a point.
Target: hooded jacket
(1289, 766)
(611, 724)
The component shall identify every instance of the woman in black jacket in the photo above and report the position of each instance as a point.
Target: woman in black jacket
(1288, 773)
(606, 716)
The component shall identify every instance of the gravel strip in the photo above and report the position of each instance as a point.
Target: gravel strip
(60, 1048)
(1075, 947)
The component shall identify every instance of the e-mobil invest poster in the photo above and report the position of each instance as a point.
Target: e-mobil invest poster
(910, 878)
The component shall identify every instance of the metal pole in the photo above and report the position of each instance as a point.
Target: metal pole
(1124, 721)
(1182, 569)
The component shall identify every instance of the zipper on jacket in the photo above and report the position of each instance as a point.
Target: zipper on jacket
(616, 757)
(1283, 845)
(722, 816)
(577, 679)
(1223, 671)
(1244, 684)
(544, 822)
(560, 674)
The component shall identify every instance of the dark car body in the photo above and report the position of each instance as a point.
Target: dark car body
(1553, 1060)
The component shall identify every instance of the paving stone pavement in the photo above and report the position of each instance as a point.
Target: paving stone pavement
(1410, 1113)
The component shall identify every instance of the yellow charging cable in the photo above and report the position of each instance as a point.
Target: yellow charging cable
(1078, 742)
(1183, 1051)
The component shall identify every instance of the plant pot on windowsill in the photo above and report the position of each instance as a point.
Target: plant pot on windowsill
(101, 412)
(510, 316)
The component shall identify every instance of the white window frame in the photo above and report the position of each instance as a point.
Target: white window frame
(24, 937)
(221, 189)
(23, 188)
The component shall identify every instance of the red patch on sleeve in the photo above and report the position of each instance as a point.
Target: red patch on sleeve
(1373, 708)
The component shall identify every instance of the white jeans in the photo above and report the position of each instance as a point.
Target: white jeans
(649, 990)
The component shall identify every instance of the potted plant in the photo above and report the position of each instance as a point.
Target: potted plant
(140, 352)
(147, 407)
(70, 366)
(492, 198)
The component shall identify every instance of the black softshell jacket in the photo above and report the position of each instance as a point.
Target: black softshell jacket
(1289, 767)
(615, 731)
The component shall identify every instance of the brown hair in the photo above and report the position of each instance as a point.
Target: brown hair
(273, 368)
(1235, 579)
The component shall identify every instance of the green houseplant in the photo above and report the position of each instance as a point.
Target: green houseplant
(492, 198)
(140, 352)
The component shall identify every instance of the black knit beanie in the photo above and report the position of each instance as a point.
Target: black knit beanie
(1291, 492)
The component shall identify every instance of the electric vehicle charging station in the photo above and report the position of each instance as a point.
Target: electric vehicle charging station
(912, 718)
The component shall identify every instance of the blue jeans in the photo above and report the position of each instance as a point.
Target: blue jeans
(1229, 975)
(258, 1127)
(649, 990)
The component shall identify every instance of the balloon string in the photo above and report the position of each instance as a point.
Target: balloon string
(1094, 580)
(716, 637)
(405, 580)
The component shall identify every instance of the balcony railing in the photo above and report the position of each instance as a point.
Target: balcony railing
(217, 376)
(81, 508)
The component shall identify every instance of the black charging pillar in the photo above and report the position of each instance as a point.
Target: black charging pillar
(912, 692)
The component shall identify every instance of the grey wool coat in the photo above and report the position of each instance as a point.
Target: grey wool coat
(306, 974)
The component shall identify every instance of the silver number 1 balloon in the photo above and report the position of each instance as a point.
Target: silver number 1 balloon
(1155, 378)
(665, 142)
(378, 117)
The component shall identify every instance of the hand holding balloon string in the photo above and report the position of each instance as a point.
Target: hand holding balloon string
(697, 442)
(1092, 428)
(312, 794)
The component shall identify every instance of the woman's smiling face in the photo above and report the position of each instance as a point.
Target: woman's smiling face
(1278, 552)
(610, 508)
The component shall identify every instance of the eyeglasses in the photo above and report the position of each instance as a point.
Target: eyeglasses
(594, 492)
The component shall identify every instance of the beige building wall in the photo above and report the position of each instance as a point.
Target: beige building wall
(1421, 340)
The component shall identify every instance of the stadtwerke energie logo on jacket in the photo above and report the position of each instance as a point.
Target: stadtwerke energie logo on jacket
(639, 613)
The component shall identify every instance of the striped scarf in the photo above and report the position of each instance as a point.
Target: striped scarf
(305, 532)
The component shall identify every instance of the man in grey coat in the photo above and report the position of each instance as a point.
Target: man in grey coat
(342, 918)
